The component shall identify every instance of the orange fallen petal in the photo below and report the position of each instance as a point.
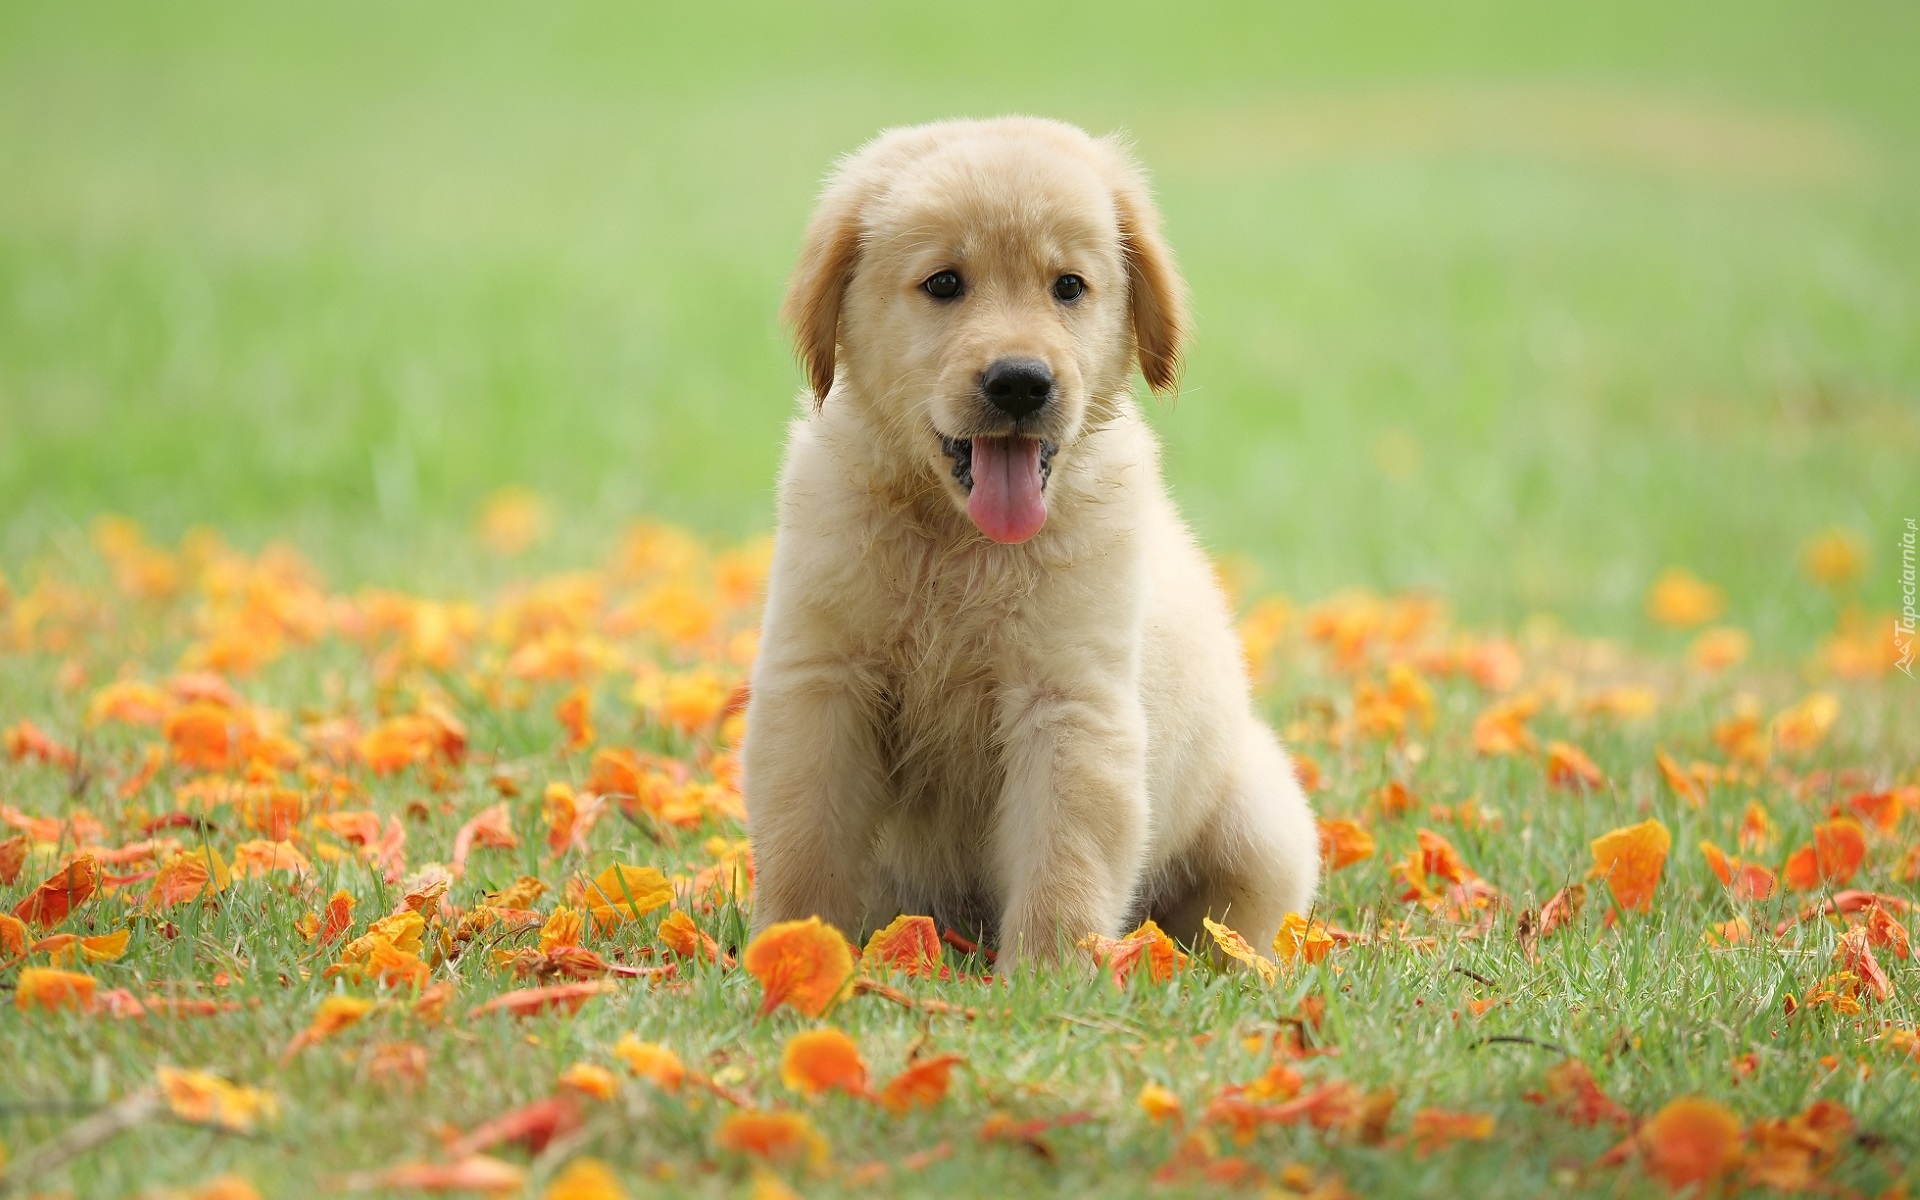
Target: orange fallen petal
(1886, 931)
(1630, 859)
(805, 964)
(64, 891)
(585, 1179)
(1691, 1142)
(50, 990)
(1684, 785)
(590, 1079)
(820, 1060)
(922, 1085)
(1160, 1104)
(1717, 862)
(1148, 944)
(1573, 1094)
(772, 1136)
(1240, 950)
(13, 856)
(203, 1098)
(475, 1173)
(105, 947)
(1435, 1128)
(575, 714)
(651, 1061)
(686, 939)
(1680, 599)
(623, 893)
(1343, 843)
(204, 735)
(909, 944)
(187, 876)
(334, 1014)
(491, 827)
(1855, 954)
(531, 1125)
(1569, 767)
(1298, 938)
(1883, 808)
(526, 1002)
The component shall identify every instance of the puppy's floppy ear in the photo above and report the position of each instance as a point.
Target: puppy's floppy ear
(828, 253)
(1156, 293)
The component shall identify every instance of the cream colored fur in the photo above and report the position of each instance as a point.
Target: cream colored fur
(1033, 741)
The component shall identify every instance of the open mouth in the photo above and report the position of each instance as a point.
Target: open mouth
(1005, 479)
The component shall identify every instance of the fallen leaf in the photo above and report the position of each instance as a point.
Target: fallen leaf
(1692, 1142)
(49, 989)
(922, 1085)
(1569, 767)
(1684, 785)
(474, 1173)
(203, 1098)
(491, 827)
(820, 1060)
(1344, 843)
(1240, 950)
(334, 1014)
(1681, 599)
(1148, 944)
(531, 1125)
(909, 944)
(1160, 1104)
(1803, 726)
(13, 856)
(186, 876)
(1436, 1128)
(1884, 931)
(1300, 939)
(1630, 859)
(1855, 954)
(1839, 848)
(805, 964)
(590, 1079)
(527, 1002)
(686, 939)
(1572, 1093)
(624, 893)
(575, 714)
(585, 1179)
(773, 1136)
(651, 1061)
(64, 891)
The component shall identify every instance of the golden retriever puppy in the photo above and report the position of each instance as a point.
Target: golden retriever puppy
(998, 683)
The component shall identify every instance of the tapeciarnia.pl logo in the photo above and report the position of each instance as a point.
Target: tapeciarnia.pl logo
(1903, 625)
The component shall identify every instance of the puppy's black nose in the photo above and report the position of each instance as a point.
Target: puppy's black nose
(1017, 386)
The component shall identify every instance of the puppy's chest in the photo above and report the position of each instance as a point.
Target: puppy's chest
(943, 643)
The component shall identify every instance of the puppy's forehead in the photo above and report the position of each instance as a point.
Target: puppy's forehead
(997, 191)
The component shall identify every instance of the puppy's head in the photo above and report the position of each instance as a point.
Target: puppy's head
(982, 290)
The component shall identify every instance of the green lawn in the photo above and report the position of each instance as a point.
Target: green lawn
(1513, 306)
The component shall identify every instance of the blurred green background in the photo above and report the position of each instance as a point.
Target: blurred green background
(1519, 302)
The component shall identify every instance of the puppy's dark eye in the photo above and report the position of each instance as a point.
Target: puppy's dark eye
(1069, 287)
(942, 285)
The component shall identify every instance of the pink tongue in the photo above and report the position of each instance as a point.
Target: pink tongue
(1006, 502)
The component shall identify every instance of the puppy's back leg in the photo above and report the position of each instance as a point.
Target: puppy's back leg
(1258, 862)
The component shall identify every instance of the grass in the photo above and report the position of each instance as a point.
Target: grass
(1511, 306)
(1654, 1009)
